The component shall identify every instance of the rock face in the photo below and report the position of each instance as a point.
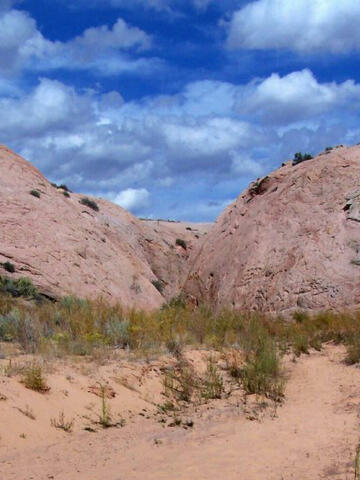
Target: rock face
(66, 247)
(290, 241)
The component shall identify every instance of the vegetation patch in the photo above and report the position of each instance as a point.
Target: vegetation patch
(35, 193)
(33, 378)
(301, 157)
(159, 285)
(9, 267)
(181, 243)
(89, 203)
(61, 423)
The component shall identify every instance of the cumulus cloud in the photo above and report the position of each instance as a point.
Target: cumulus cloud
(105, 49)
(100, 144)
(133, 199)
(296, 96)
(302, 25)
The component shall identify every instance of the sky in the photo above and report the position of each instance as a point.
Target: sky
(170, 108)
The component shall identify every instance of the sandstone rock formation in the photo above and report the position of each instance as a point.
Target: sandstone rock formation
(65, 247)
(290, 241)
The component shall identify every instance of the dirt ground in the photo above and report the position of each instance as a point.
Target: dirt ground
(312, 435)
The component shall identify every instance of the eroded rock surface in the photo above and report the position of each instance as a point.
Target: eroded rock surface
(68, 248)
(290, 241)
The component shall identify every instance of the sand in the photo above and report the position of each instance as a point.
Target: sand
(312, 435)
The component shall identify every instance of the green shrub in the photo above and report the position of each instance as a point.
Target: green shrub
(159, 285)
(262, 373)
(353, 350)
(181, 243)
(299, 158)
(33, 378)
(21, 287)
(66, 194)
(213, 385)
(90, 203)
(9, 267)
(35, 193)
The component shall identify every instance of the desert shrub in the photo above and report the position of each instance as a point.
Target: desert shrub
(64, 187)
(33, 378)
(21, 287)
(159, 285)
(181, 382)
(178, 302)
(61, 423)
(300, 342)
(181, 243)
(299, 158)
(89, 203)
(35, 193)
(262, 373)
(9, 267)
(66, 194)
(353, 350)
(212, 383)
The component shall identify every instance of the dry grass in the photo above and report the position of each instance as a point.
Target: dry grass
(62, 424)
(76, 327)
(33, 378)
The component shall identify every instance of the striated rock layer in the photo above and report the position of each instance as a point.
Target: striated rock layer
(65, 247)
(290, 241)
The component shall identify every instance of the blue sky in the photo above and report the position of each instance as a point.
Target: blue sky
(171, 107)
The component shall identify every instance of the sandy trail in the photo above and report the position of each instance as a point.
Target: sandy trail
(313, 436)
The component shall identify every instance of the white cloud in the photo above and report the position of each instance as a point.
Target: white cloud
(123, 150)
(133, 199)
(120, 36)
(243, 164)
(107, 50)
(303, 25)
(296, 96)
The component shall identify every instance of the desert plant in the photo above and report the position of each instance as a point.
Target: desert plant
(181, 243)
(353, 350)
(158, 284)
(9, 267)
(64, 187)
(61, 423)
(35, 193)
(262, 373)
(66, 194)
(181, 381)
(105, 417)
(299, 158)
(33, 378)
(21, 287)
(212, 383)
(27, 411)
(89, 203)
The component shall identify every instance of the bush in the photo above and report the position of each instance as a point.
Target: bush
(299, 157)
(89, 203)
(66, 194)
(262, 373)
(158, 284)
(33, 378)
(181, 243)
(21, 287)
(353, 351)
(213, 385)
(9, 267)
(35, 193)
(64, 187)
